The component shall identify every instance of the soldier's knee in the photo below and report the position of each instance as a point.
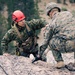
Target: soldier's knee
(70, 43)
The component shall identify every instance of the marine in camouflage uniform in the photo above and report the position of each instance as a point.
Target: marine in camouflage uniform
(60, 33)
(26, 43)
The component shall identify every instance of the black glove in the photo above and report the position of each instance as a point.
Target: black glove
(36, 59)
(42, 49)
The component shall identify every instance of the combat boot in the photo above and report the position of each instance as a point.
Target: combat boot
(60, 64)
(70, 66)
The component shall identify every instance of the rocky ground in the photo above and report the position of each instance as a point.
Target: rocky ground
(18, 65)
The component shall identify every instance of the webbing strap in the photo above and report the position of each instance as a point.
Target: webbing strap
(27, 27)
(20, 36)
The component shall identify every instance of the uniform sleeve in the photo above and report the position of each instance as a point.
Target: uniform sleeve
(48, 34)
(8, 37)
(37, 24)
(47, 37)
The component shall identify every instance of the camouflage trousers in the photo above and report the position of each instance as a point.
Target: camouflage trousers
(59, 46)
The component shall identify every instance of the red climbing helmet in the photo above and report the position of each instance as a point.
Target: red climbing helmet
(18, 16)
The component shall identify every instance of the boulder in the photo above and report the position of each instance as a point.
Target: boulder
(19, 65)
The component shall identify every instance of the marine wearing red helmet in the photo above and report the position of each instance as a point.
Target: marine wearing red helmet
(18, 16)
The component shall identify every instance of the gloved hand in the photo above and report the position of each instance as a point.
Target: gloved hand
(36, 59)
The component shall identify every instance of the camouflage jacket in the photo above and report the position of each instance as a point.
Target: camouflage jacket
(12, 35)
(61, 25)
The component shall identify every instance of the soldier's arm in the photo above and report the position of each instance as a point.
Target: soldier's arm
(47, 37)
(37, 24)
(8, 37)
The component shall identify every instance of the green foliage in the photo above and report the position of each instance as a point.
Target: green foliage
(64, 9)
(3, 30)
(31, 9)
(58, 1)
(2, 2)
(73, 12)
(72, 1)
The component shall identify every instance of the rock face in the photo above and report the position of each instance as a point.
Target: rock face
(18, 65)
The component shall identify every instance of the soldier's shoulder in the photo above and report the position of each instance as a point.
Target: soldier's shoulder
(11, 30)
(33, 20)
(65, 13)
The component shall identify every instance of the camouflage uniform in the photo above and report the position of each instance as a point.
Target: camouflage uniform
(31, 46)
(60, 34)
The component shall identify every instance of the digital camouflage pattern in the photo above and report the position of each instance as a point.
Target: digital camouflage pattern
(60, 34)
(12, 35)
(50, 6)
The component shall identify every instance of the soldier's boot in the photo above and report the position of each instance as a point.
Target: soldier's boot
(60, 64)
(70, 66)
